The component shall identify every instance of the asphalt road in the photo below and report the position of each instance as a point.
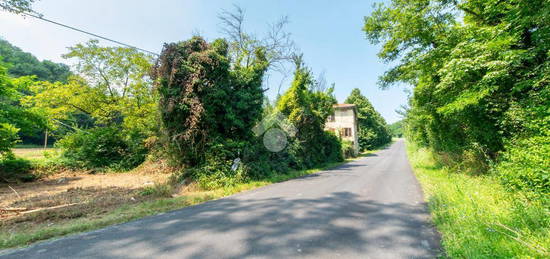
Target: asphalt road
(369, 208)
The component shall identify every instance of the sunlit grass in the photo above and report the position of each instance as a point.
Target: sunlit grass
(31, 153)
(477, 217)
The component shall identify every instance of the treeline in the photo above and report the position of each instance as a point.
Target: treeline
(200, 105)
(481, 73)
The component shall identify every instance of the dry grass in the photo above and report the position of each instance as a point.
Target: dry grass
(90, 195)
(32, 153)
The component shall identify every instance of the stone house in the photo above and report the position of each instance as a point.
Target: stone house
(343, 122)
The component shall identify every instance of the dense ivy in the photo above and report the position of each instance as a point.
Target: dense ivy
(205, 99)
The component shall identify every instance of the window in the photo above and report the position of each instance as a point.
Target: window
(331, 118)
(345, 132)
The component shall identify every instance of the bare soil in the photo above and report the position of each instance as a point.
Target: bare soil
(73, 194)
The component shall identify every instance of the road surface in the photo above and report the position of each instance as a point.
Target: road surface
(369, 208)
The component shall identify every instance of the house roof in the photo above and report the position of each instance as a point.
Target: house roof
(344, 105)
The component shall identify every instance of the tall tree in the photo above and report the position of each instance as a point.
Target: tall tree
(14, 117)
(308, 109)
(112, 86)
(373, 131)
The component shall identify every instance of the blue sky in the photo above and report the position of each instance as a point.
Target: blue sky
(327, 32)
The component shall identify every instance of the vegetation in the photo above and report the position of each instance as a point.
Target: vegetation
(373, 131)
(476, 216)
(478, 121)
(16, 6)
(396, 129)
(21, 63)
(480, 70)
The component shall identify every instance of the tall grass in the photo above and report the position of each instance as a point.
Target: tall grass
(477, 217)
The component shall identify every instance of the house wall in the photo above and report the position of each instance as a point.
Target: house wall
(344, 118)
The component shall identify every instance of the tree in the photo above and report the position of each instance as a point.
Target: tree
(373, 130)
(308, 110)
(17, 6)
(203, 99)
(480, 71)
(277, 44)
(112, 87)
(21, 63)
(14, 117)
(396, 129)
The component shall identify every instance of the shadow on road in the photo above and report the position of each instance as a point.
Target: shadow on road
(279, 227)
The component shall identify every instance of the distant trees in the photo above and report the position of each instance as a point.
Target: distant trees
(373, 130)
(481, 76)
(396, 129)
(21, 63)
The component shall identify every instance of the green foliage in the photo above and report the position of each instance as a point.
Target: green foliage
(15, 169)
(21, 63)
(102, 147)
(204, 100)
(347, 149)
(157, 190)
(525, 165)
(396, 129)
(481, 76)
(8, 138)
(308, 110)
(373, 131)
(16, 6)
(13, 117)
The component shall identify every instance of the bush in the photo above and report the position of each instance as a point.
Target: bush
(525, 166)
(347, 149)
(8, 137)
(103, 147)
(15, 169)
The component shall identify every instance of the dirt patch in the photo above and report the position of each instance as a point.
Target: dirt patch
(74, 194)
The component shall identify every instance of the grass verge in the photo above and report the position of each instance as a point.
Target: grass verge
(19, 236)
(477, 217)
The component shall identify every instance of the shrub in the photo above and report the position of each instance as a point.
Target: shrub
(347, 149)
(15, 169)
(525, 165)
(8, 137)
(102, 147)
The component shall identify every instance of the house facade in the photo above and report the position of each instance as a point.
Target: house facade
(343, 122)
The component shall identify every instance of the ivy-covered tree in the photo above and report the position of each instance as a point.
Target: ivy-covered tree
(204, 99)
(373, 131)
